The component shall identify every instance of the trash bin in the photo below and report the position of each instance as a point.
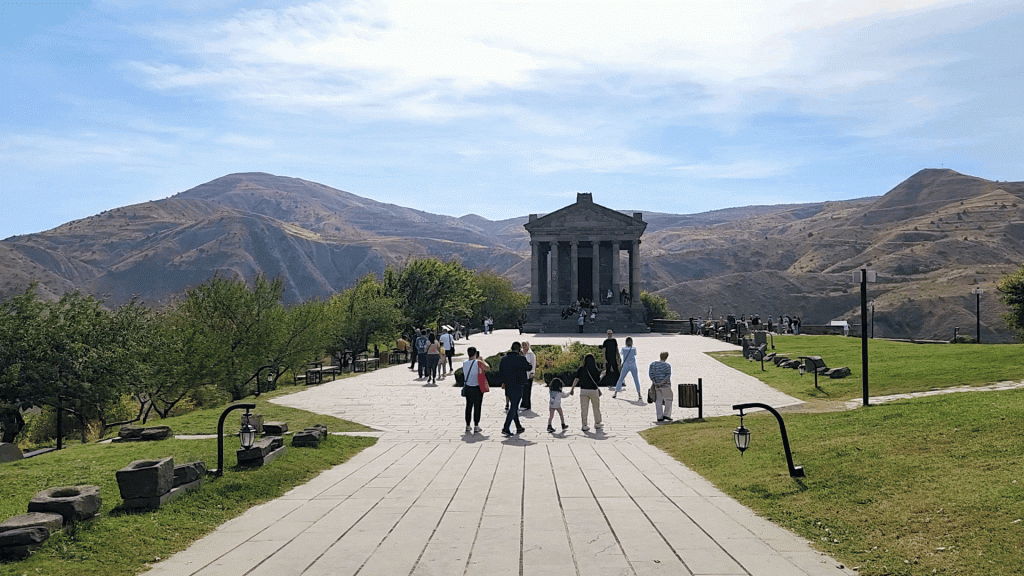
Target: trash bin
(688, 396)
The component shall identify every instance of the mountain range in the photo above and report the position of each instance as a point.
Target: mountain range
(931, 239)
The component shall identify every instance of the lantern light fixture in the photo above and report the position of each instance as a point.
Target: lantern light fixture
(247, 435)
(742, 436)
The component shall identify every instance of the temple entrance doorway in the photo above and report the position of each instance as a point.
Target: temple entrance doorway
(584, 280)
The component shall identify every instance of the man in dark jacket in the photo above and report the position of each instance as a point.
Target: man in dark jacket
(421, 351)
(513, 370)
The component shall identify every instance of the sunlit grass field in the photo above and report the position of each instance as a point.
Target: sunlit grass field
(924, 486)
(120, 542)
(893, 368)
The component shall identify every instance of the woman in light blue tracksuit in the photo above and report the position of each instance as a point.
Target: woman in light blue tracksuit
(628, 353)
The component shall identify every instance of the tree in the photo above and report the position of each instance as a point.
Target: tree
(499, 300)
(360, 314)
(178, 364)
(234, 327)
(428, 291)
(20, 322)
(656, 307)
(1011, 293)
(72, 355)
(303, 336)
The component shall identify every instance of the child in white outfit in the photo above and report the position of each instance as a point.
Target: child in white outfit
(555, 396)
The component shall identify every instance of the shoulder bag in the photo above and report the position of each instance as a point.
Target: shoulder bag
(481, 379)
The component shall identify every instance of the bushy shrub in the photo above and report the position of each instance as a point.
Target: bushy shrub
(552, 361)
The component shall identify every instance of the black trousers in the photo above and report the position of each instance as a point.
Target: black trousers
(515, 395)
(423, 363)
(474, 403)
(527, 389)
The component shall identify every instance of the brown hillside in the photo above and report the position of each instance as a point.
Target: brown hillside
(932, 239)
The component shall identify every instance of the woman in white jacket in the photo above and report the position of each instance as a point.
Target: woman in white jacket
(628, 353)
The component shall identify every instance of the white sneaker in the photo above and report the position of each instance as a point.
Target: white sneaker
(586, 428)
(469, 430)
(476, 429)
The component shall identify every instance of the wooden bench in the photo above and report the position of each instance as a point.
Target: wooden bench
(364, 364)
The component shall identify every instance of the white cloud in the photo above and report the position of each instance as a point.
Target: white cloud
(596, 158)
(741, 170)
(424, 59)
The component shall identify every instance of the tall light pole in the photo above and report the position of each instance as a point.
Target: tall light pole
(977, 313)
(864, 276)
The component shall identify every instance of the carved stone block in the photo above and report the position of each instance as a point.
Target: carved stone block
(146, 478)
(71, 502)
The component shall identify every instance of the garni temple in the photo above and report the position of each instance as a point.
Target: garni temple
(585, 254)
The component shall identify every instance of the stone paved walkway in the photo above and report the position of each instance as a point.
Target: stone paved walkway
(429, 499)
(1008, 385)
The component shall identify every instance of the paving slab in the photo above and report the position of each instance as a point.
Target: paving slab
(430, 499)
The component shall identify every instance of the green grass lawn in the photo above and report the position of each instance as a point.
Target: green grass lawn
(894, 367)
(926, 486)
(119, 542)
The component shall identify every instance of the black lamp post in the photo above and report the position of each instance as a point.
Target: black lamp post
(977, 313)
(259, 372)
(864, 276)
(742, 435)
(247, 435)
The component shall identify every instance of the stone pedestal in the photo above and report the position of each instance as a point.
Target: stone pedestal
(256, 420)
(149, 484)
(146, 479)
(264, 451)
(275, 428)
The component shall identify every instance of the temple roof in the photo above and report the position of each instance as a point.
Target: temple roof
(585, 218)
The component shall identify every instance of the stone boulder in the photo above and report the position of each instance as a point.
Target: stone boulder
(188, 473)
(131, 433)
(48, 520)
(10, 452)
(71, 502)
(839, 372)
(310, 437)
(20, 542)
(157, 433)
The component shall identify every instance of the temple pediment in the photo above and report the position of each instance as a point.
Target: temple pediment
(586, 218)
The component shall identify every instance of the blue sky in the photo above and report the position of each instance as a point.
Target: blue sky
(503, 108)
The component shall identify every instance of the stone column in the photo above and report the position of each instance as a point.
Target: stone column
(634, 276)
(554, 293)
(615, 271)
(535, 271)
(574, 254)
(595, 270)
